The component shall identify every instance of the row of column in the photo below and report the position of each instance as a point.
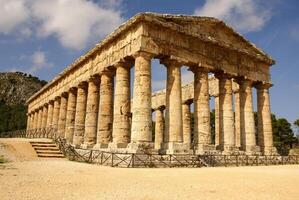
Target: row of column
(93, 114)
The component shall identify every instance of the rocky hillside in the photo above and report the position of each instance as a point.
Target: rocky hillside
(17, 87)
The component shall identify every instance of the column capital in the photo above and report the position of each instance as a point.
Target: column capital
(188, 101)
(199, 69)
(124, 63)
(171, 62)
(143, 54)
(83, 85)
(51, 102)
(262, 86)
(223, 75)
(73, 90)
(57, 98)
(95, 78)
(243, 81)
(161, 108)
(46, 105)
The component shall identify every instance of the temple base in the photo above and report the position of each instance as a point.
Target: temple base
(175, 148)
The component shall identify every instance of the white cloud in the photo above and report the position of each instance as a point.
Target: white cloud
(75, 23)
(245, 15)
(14, 14)
(39, 61)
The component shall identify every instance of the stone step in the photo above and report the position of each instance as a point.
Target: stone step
(50, 155)
(47, 150)
(43, 145)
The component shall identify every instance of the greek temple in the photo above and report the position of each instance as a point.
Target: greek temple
(93, 105)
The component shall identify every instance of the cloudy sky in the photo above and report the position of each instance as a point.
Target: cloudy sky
(42, 37)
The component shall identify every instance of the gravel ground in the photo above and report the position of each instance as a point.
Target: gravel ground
(34, 178)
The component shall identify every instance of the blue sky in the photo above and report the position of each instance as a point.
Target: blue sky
(42, 37)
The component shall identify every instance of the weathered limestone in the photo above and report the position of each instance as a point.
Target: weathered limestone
(202, 130)
(122, 104)
(173, 115)
(56, 110)
(78, 137)
(105, 118)
(226, 113)
(265, 134)
(44, 117)
(141, 108)
(62, 115)
(28, 121)
(50, 114)
(70, 116)
(237, 119)
(186, 123)
(159, 128)
(92, 108)
(248, 142)
(196, 42)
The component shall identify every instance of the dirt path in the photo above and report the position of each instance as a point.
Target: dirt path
(62, 179)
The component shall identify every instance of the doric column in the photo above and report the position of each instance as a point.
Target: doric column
(173, 115)
(159, 128)
(202, 129)
(80, 114)
(122, 106)
(62, 115)
(28, 121)
(92, 108)
(237, 119)
(40, 117)
(50, 114)
(70, 115)
(105, 117)
(265, 134)
(248, 142)
(142, 100)
(45, 115)
(217, 130)
(56, 113)
(186, 123)
(226, 113)
(35, 119)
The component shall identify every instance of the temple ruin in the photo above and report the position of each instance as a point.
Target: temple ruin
(90, 103)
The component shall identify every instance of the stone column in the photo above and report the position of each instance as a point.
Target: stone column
(28, 121)
(217, 130)
(186, 123)
(202, 129)
(80, 114)
(56, 113)
(62, 115)
(105, 117)
(159, 128)
(70, 115)
(40, 117)
(226, 113)
(237, 119)
(35, 119)
(142, 100)
(92, 109)
(50, 114)
(173, 115)
(265, 134)
(122, 106)
(248, 142)
(45, 115)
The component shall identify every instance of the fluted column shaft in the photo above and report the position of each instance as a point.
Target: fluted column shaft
(122, 105)
(265, 133)
(40, 117)
(237, 120)
(35, 119)
(173, 117)
(217, 129)
(56, 113)
(248, 141)
(62, 115)
(28, 122)
(226, 113)
(80, 115)
(105, 117)
(202, 130)
(159, 128)
(70, 115)
(92, 109)
(142, 100)
(50, 114)
(45, 115)
(186, 123)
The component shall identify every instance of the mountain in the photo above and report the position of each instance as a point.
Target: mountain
(15, 89)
